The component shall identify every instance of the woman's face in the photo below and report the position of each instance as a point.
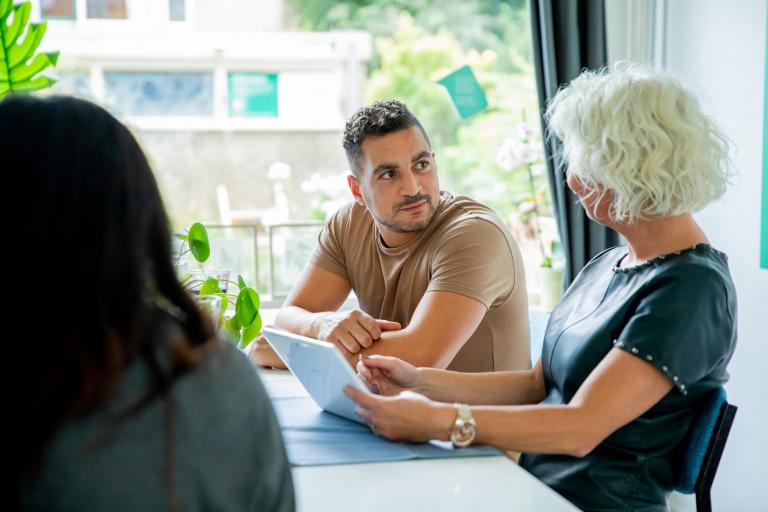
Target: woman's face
(596, 202)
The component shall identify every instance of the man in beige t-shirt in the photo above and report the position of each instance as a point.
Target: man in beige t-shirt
(439, 279)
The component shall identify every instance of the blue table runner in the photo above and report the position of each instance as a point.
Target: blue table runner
(314, 437)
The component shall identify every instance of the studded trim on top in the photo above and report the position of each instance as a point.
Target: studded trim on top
(617, 269)
(655, 362)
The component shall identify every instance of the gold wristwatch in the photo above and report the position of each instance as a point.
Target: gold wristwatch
(464, 428)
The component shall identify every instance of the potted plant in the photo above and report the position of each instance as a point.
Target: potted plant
(522, 153)
(242, 321)
(20, 69)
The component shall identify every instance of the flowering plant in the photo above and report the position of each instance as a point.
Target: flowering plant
(524, 152)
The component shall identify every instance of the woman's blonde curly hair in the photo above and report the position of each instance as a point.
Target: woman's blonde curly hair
(640, 135)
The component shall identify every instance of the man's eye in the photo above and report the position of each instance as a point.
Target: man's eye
(422, 164)
(388, 175)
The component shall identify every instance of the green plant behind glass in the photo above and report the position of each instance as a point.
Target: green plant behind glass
(20, 67)
(245, 324)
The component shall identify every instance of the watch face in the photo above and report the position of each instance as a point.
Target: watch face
(463, 434)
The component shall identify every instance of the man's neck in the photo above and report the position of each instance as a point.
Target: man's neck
(392, 239)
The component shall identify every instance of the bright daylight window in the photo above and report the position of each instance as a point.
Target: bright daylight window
(106, 9)
(177, 10)
(241, 108)
(160, 94)
(58, 8)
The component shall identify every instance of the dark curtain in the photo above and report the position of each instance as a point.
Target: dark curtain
(568, 36)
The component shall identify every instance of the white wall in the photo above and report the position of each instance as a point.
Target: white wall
(238, 15)
(718, 48)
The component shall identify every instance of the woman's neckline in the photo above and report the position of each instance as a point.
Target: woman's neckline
(663, 257)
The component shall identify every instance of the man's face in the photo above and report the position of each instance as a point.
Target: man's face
(398, 183)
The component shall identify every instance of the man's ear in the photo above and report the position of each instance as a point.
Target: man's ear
(354, 187)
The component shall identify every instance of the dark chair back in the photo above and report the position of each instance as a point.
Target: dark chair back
(706, 443)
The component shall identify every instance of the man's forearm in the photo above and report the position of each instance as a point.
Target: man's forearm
(298, 321)
(412, 347)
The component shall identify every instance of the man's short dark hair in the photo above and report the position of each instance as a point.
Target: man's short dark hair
(375, 120)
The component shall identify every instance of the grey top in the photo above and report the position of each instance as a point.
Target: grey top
(677, 313)
(229, 454)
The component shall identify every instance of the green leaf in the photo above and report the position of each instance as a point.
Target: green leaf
(251, 332)
(198, 242)
(224, 298)
(181, 236)
(232, 327)
(39, 63)
(38, 83)
(5, 8)
(241, 282)
(247, 306)
(210, 287)
(19, 53)
(20, 18)
(20, 68)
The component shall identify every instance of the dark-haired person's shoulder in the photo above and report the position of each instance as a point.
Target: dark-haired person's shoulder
(228, 407)
(228, 363)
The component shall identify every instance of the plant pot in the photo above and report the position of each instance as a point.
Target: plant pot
(551, 286)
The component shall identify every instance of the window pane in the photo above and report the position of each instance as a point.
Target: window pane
(253, 94)
(106, 9)
(58, 8)
(73, 83)
(177, 10)
(160, 94)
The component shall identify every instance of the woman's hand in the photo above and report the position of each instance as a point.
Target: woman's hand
(406, 417)
(387, 375)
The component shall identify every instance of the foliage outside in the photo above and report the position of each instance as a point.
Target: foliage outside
(418, 42)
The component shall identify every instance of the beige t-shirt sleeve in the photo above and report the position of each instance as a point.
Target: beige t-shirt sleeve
(329, 253)
(474, 260)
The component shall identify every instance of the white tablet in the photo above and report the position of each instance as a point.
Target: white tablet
(320, 368)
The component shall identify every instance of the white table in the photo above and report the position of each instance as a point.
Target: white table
(434, 485)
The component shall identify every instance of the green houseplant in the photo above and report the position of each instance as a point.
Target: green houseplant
(20, 67)
(244, 324)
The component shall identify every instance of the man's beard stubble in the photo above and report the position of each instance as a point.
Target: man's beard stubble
(401, 227)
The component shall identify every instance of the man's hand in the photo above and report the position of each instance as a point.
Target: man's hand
(260, 352)
(352, 330)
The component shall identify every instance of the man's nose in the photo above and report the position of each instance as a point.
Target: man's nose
(411, 185)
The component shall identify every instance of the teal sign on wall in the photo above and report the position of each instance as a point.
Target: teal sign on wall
(764, 200)
(253, 94)
(465, 91)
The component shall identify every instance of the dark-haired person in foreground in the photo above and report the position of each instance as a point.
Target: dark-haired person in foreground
(128, 400)
(439, 278)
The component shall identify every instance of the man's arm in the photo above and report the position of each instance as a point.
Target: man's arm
(441, 324)
(317, 291)
(310, 310)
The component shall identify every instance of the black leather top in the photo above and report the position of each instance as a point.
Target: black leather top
(676, 312)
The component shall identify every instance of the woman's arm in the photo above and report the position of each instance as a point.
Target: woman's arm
(390, 376)
(621, 388)
(490, 388)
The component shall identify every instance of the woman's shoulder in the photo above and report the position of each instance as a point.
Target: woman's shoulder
(225, 370)
(699, 267)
